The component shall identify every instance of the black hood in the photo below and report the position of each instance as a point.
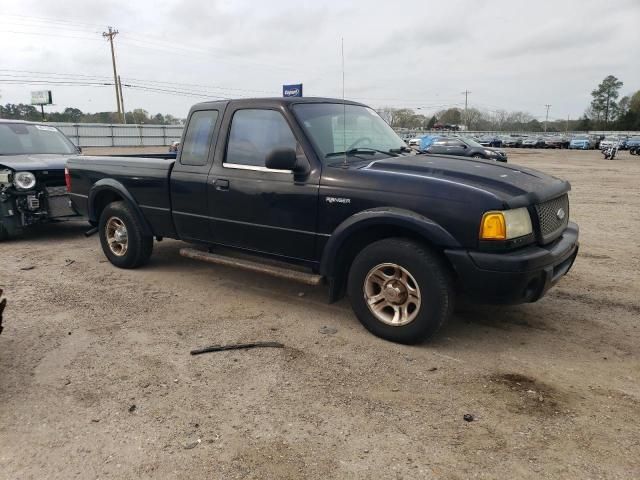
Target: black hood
(517, 186)
(34, 163)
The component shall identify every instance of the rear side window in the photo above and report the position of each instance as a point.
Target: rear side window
(197, 140)
(254, 134)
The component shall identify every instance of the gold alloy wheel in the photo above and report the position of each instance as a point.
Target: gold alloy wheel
(392, 294)
(117, 237)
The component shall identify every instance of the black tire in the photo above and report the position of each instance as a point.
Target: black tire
(429, 273)
(478, 155)
(138, 246)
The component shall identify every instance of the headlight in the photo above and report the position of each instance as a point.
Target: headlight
(506, 224)
(24, 180)
(491, 153)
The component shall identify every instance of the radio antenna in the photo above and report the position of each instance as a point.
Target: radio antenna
(344, 111)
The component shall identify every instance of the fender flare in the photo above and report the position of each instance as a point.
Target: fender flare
(381, 216)
(109, 184)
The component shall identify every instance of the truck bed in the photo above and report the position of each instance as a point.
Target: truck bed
(143, 178)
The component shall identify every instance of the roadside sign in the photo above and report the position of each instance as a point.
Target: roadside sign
(292, 90)
(41, 97)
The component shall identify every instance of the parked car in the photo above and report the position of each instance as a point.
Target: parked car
(511, 142)
(582, 142)
(415, 142)
(596, 140)
(609, 142)
(633, 144)
(533, 142)
(32, 178)
(465, 147)
(556, 141)
(490, 141)
(400, 233)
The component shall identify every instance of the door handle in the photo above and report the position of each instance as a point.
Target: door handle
(221, 184)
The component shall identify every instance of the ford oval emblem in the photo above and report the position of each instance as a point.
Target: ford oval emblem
(560, 214)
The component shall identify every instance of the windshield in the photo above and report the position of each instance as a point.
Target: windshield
(471, 142)
(335, 128)
(24, 139)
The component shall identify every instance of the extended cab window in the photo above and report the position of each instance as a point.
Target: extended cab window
(254, 134)
(198, 137)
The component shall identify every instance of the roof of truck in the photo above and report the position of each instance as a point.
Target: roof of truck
(276, 101)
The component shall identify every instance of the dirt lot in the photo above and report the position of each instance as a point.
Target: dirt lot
(96, 380)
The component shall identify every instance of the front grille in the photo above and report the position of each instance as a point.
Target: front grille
(52, 178)
(553, 217)
(58, 202)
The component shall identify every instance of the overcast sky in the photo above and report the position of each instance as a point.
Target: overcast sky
(512, 55)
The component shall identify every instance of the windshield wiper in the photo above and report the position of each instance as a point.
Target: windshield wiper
(356, 151)
(404, 148)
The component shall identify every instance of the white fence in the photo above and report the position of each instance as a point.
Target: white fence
(116, 135)
(141, 135)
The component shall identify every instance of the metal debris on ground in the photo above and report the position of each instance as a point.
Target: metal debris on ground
(191, 445)
(328, 330)
(236, 346)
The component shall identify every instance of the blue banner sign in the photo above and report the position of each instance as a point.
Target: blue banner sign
(292, 90)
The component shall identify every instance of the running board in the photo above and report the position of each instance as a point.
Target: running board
(273, 270)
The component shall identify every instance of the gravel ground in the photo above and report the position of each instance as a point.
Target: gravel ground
(96, 380)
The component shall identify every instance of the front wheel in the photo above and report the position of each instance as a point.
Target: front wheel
(477, 155)
(400, 290)
(122, 237)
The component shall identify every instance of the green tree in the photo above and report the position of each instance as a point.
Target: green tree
(604, 103)
(634, 102)
(584, 124)
(432, 121)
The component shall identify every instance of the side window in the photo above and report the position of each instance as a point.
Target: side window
(197, 140)
(254, 134)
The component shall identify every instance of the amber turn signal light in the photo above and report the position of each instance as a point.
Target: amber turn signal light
(493, 226)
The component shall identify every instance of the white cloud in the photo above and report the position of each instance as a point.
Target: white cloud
(511, 54)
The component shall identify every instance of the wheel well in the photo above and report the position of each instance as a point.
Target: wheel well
(103, 199)
(359, 240)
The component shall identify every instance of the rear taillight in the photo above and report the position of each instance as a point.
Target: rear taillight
(67, 179)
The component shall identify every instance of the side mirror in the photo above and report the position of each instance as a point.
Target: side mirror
(281, 159)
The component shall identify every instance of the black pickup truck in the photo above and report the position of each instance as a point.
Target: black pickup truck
(327, 186)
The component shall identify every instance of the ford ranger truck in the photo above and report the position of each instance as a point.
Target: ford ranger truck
(326, 188)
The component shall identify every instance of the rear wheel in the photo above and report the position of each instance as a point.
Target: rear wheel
(400, 290)
(122, 237)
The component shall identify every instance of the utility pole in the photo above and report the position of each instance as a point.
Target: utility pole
(110, 34)
(466, 98)
(547, 117)
(124, 112)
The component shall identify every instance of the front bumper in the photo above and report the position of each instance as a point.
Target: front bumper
(520, 276)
